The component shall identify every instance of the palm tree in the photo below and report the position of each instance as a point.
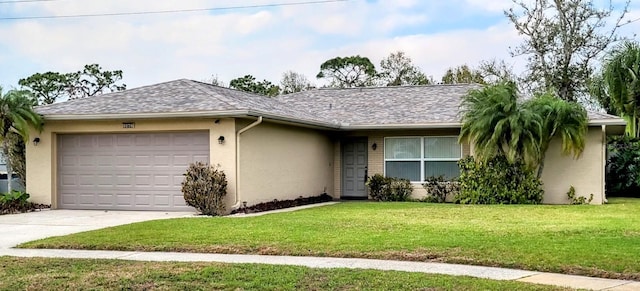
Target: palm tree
(16, 117)
(498, 125)
(622, 79)
(564, 119)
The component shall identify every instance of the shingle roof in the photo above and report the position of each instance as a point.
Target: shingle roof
(375, 107)
(593, 115)
(182, 96)
(384, 105)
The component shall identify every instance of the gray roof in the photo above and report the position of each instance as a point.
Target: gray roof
(179, 96)
(418, 105)
(593, 115)
(351, 108)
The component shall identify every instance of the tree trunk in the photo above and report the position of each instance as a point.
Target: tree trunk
(5, 152)
(543, 155)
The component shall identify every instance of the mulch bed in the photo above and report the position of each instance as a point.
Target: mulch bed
(29, 207)
(280, 204)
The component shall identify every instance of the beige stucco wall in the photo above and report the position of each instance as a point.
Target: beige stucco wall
(42, 159)
(586, 174)
(376, 157)
(284, 162)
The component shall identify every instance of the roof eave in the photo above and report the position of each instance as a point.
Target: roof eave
(401, 126)
(193, 114)
(154, 115)
(613, 121)
(296, 121)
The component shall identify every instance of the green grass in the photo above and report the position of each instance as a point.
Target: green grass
(76, 274)
(601, 241)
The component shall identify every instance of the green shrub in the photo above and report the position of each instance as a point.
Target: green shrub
(497, 182)
(205, 188)
(623, 167)
(377, 186)
(438, 189)
(14, 202)
(578, 200)
(389, 189)
(400, 189)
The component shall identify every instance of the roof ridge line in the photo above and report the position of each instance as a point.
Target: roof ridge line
(394, 87)
(199, 85)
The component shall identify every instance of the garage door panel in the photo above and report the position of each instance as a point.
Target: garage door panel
(143, 160)
(141, 171)
(199, 157)
(142, 140)
(143, 200)
(124, 140)
(104, 199)
(86, 199)
(124, 200)
(162, 160)
(84, 160)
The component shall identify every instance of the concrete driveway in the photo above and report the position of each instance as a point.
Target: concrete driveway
(19, 228)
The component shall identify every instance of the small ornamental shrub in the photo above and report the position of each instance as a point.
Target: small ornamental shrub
(17, 202)
(205, 188)
(399, 189)
(497, 182)
(389, 189)
(438, 189)
(377, 187)
(578, 200)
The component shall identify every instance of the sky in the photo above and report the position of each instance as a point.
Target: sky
(261, 41)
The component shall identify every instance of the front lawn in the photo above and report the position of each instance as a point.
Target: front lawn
(76, 274)
(601, 241)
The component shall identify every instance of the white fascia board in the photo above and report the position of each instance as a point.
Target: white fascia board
(616, 121)
(146, 115)
(401, 126)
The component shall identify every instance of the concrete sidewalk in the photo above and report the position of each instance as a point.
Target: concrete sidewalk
(578, 282)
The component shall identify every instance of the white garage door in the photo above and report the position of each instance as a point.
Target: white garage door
(132, 171)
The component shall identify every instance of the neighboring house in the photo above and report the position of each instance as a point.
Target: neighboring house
(16, 183)
(128, 150)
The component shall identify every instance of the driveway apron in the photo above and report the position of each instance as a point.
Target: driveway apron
(20, 228)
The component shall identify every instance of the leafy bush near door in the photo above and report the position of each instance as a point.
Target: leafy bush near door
(497, 182)
(205, 188)
(383, 188)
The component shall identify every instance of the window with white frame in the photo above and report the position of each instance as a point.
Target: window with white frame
(416, 158)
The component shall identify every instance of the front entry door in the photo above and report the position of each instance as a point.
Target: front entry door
(354, 168)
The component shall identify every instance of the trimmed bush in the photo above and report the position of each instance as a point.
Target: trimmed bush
(497, 182)
(389, 189)
(623, 167)
(377, 186)
(438, 189)
(205, 188)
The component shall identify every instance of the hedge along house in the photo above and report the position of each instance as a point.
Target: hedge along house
(128, 150)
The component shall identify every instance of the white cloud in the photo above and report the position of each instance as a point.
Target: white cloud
(263, 42)
(495, 6)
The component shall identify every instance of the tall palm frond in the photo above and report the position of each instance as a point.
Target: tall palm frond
(563, 119)
(496, 123)
(622, 78)
(16, 117)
